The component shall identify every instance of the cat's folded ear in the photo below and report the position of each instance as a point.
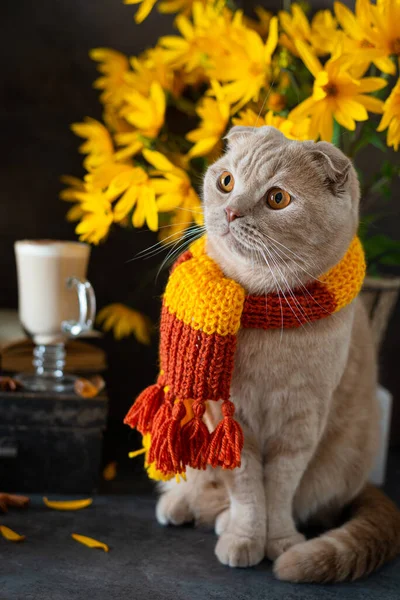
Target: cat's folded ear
(336, 166)
(238, 133)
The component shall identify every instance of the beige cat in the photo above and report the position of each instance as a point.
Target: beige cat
(305, 397)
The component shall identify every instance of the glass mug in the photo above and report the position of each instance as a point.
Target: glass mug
(55, 302)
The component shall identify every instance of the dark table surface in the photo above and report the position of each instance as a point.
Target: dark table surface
(146, 561)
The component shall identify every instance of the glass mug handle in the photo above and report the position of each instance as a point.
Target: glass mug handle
(87, 307)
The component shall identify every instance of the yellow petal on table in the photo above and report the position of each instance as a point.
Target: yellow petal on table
(68, 504)
(90, 542)
(11, 535)
(110, 471)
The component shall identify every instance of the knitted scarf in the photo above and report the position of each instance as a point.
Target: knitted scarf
(202, 312)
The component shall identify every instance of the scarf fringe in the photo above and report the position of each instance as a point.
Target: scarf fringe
(147, 405)
(226, 440)
(196, 438)
(175, 446)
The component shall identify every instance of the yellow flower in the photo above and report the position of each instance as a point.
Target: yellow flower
(175, 188)
(114, 66)
(173, 6)
(247, 66)
(214, 114)
(175, 193)
(391, 117)
(146, 113)
(293, 131)
(144, 10)
(336, 94)
(262, 25)
(321, 34)
(372, 27)
(137, 193)
(98, 146)
(202, 39)
(150, 67)
(100, 178)
(125, 321)
(97, 219)
(71, 194)
(324, 33)
(295, 25)
(131, 143)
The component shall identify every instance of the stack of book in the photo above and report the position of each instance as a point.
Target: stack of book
(16, 349)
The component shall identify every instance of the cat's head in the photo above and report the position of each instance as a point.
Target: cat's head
(277, 211)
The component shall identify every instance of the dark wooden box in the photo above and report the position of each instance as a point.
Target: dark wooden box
(50, 443)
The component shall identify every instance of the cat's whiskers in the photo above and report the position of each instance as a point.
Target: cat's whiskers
(174, 252)
(164, 244)
(303, 287)
(251, 231)
(257, 242)
(296, 302)
(276, 287)
(255, 252)
(295, 256)
(191, 210)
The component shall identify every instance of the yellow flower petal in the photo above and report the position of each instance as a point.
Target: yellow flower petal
(386, 65)
(344, 119)
(110, 471)
(203, 147)
(164, 186)
(90, 542)
(347, 20)
(158, 160)
(272, 40)
(158, 96)
(67, 504)
(308, 57)
(371, 84)
(354, 109)
(149, 200)
(372, 104)
(10, 535)
(168, 202)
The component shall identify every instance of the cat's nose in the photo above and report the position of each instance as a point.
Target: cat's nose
(231, 215)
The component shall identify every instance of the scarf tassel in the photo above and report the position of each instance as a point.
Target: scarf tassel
(196, 438)
(147, 405)
(166, 438)
(226, 441)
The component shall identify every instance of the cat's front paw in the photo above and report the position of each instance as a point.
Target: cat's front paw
(222, 521)
(173, 509)
(278, 546)
(239, 551)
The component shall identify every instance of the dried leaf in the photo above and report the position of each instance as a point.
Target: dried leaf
(98, 382)
(90, 542)
(8, 384)
(110, 471)
(7, 500)
(68, 504)
(89, 388)
(10, 535)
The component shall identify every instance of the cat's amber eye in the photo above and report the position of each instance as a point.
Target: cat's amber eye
(226, 182)
(278, 198)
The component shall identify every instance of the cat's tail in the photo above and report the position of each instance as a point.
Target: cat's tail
(363, 544)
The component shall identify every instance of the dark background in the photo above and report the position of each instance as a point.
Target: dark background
(47, 77)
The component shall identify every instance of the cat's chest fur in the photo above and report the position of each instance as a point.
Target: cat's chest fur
(274, 371)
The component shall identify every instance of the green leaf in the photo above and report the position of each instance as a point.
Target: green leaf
(337, 131)
(381, 249)
(377, 141)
